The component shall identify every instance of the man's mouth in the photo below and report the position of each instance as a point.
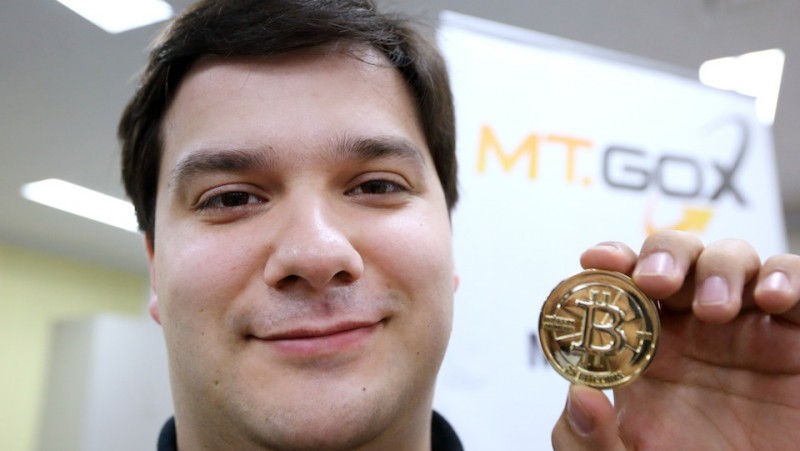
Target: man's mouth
(320, 341)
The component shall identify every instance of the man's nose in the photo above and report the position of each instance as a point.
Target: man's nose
(311, 247)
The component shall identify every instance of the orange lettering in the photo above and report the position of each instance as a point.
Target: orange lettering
(572, 144)
(489, 142)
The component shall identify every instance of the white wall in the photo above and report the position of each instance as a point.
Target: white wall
(108, 387)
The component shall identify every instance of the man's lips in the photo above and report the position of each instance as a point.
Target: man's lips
(302, 333)
(317, 341)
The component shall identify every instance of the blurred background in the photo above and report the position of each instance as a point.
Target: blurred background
(65, 80)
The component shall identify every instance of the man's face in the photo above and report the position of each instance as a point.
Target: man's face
(302, 265)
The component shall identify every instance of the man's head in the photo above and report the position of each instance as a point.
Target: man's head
(296, 202)
(265, 28)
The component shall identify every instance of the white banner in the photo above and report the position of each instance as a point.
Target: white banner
(561, 146)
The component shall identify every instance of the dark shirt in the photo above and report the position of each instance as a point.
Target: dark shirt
(443, 437)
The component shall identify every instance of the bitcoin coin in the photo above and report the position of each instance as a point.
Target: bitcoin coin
(597, 328)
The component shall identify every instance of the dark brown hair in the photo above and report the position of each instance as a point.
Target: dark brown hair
(264, 28)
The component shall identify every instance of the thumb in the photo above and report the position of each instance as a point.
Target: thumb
(589, 422)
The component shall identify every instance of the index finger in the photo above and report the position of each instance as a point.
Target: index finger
(664, 262)
(610, 256)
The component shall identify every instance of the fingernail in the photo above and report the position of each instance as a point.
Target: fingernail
(776, 281)
(578, 418)
(608, 244)
(713, 291)
(656, 263)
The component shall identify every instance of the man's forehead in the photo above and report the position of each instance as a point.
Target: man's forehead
(214, 81)
(297, 68)
(233, 72)
(335, 55)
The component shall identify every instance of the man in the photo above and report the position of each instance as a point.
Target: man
(292, 163)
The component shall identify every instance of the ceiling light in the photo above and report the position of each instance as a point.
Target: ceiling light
(755, 74)
(116, 16)
(82, 201)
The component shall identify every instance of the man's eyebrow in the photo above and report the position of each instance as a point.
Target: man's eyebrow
(215, 161)
(211, 161)
(376, 148)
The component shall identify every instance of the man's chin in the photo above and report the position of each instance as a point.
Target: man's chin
(315, 422)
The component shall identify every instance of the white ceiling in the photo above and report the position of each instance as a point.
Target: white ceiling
(65, 81)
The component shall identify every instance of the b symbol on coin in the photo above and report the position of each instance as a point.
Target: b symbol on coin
(597, 328)
(592, 324)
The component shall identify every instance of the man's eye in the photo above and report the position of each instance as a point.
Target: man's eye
(229, 200)
(378, 187)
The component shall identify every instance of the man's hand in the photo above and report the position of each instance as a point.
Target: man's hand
(726, 375)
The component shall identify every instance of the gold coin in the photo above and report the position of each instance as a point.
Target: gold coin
(597, 328)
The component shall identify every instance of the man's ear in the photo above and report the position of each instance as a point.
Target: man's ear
(153, 306)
